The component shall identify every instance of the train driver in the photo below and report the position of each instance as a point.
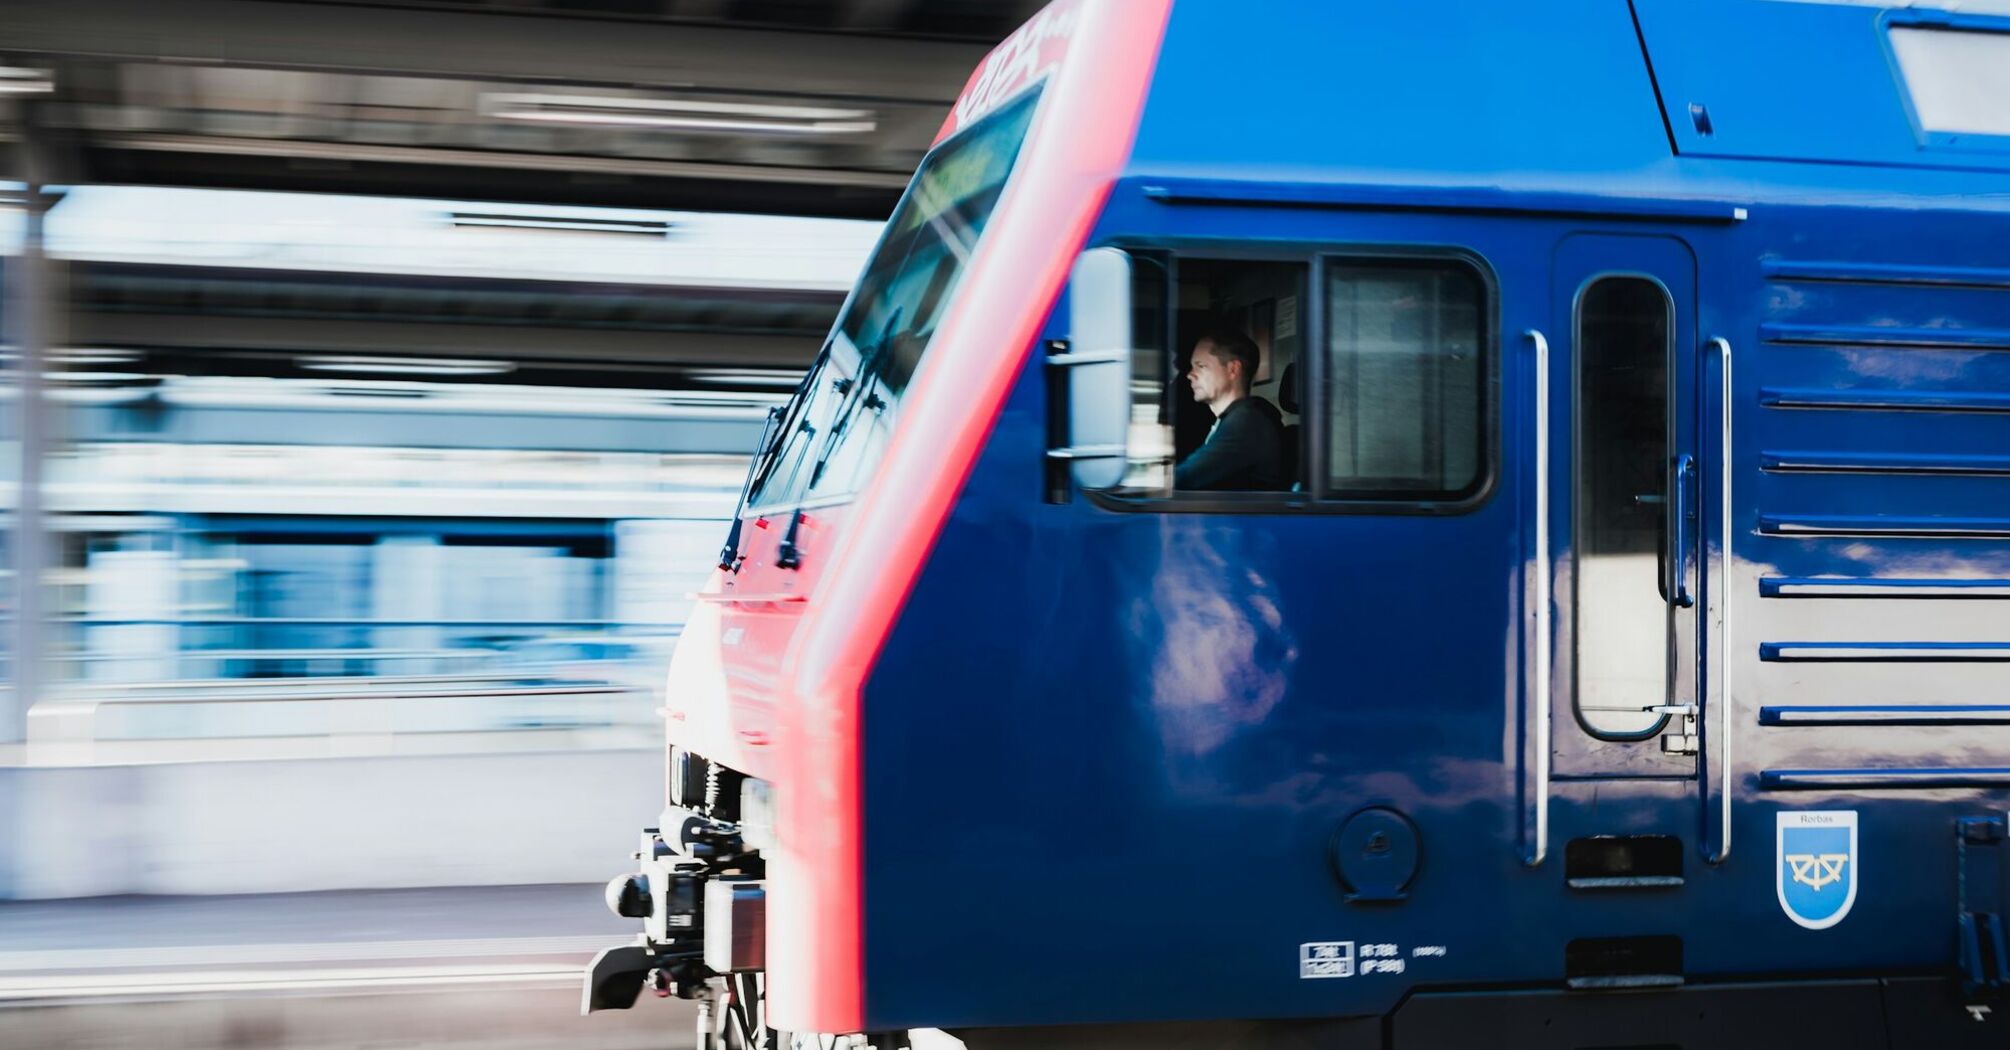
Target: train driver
(1244, 449)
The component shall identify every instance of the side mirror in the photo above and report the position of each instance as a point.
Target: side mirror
(1098, 368)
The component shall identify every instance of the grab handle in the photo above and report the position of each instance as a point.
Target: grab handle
(1718, 741)
(1535, 785)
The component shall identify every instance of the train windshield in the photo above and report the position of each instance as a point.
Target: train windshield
(836, 428)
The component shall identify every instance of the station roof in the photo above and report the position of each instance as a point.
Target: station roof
(781, 106)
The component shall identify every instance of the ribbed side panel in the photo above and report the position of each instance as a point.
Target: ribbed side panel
(1877, 623)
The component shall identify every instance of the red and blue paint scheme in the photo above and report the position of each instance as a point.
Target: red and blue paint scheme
(1041, 762)
(770, 676)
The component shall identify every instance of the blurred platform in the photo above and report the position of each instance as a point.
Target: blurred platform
(271, 818)
(495, 966)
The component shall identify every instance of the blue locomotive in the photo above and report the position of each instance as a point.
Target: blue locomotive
(1383, 525)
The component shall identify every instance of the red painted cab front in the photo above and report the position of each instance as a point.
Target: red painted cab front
(859, 472)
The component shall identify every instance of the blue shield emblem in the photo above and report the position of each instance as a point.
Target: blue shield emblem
(1817, 860)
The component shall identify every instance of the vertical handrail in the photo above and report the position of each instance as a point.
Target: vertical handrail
(1720, 746)
(1536, 782)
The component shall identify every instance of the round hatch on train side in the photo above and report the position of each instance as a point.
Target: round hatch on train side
(1375, 853)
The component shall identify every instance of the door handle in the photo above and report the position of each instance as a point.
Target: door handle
(1683, 511)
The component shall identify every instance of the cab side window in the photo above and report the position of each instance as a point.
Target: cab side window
(1248, 392)
(1404, 381)
(1213, 407)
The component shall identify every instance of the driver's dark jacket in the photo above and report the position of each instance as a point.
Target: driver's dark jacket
(1244, 451)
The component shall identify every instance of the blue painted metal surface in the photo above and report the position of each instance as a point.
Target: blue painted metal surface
(1106, 750)
(1733, 91)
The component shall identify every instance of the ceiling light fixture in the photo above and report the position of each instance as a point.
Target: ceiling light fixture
(725, 118)
(18, 80)
(409, 366)
(783, 379)
(570, 224)
(93, 355)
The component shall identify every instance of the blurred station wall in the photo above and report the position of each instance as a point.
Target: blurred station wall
(377, 380)
(398, 599)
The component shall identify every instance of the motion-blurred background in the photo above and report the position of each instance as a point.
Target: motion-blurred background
(377, 379)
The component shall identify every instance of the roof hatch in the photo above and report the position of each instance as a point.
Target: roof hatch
(1841, 82)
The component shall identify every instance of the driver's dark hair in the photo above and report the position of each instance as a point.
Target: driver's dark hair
(1231, 344)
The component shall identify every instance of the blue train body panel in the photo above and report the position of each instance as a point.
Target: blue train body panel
(1109, 749)
(1655, 349)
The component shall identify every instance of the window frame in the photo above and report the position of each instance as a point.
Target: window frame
(1315, 421)
(1906, 18)
(1669, 436)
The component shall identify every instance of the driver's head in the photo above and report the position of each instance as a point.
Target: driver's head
(1224, 363)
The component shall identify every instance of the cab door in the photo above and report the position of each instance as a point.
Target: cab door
(1625, 506)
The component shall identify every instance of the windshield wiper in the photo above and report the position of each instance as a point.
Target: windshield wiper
(767, 457)
(788, 555)
(871, 364)
(729, 555)
(856, 391)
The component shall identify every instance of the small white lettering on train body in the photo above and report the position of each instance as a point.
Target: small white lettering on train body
(1318, 959)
